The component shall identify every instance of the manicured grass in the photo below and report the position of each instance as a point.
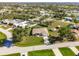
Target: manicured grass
(30, 41)
(14, 54)
(77, 47)
(41, 53)
(66, 51)
(2, 37)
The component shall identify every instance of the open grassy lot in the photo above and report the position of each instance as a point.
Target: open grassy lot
(41, 53)
(77, 47)
(55, 23)
(30, 41)
(66, 51)
(14, 54)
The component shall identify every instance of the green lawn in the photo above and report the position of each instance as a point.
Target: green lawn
(66, 51)
(41, 53)
(2, 37)
(30, 41)
(77, 47)
(14, 54)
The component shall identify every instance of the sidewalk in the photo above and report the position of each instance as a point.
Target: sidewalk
(74, 50)
(57, 52)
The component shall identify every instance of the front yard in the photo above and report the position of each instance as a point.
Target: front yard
(41, 53)
(66, 51)
(30, 41)
(2, 37)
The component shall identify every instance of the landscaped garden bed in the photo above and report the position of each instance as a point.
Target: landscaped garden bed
(66, 51)
(41, 53)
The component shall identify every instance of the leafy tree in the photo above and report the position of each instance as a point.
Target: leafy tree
(53, 39)
(64, 31)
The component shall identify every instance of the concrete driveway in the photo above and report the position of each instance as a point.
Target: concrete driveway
(6, 32)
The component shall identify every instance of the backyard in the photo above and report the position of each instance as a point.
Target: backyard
(41, 53)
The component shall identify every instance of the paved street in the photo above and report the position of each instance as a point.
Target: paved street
(54, 47)
(15, 49)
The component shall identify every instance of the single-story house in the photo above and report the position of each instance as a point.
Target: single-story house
(40, 32)
(16, 22)
(5, 21)
(68, 18)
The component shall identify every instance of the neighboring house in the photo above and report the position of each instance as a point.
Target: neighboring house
(76, 26)
(68, 19)
(44, 12)
(76, 33)
(75, 12)
(16, 22)
(6, 21)
(21, 23)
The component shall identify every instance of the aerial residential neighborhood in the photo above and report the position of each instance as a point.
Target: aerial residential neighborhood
(39, 29)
